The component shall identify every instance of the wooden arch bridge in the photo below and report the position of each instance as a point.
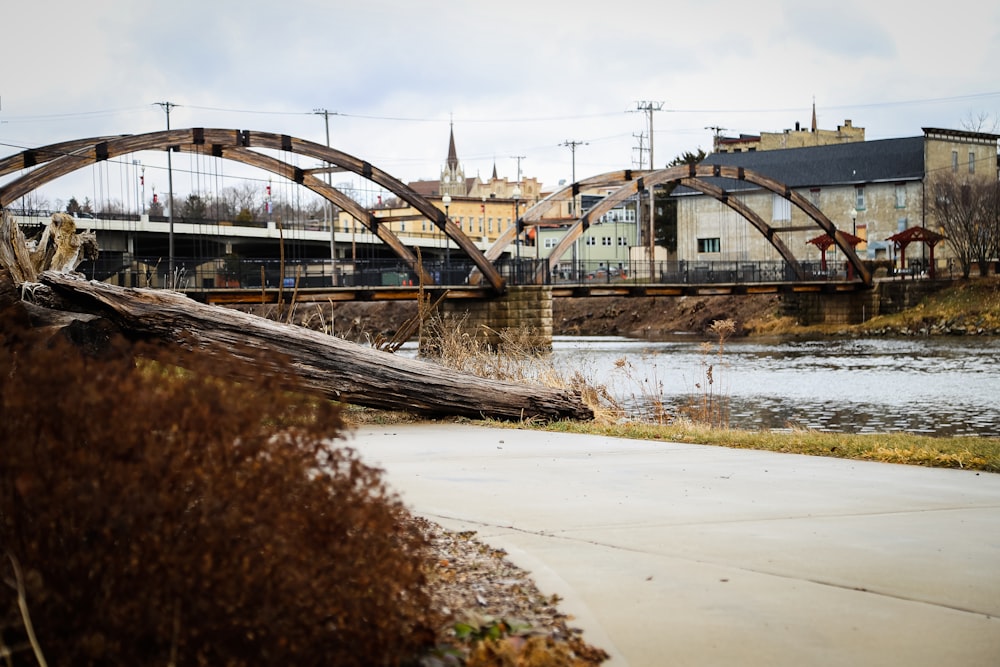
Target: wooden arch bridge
(48, 163)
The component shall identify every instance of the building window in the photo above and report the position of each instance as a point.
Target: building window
(709, 245)
(489, 224)
(814, 197)
(591, 240)
(423, 226)
(900, 195)
(605, 240)
(859, 198)
(402, 226)
(781, 208)
(480, 225)
(549, 242)
(954, 162)
(972, 162)
(622, 241)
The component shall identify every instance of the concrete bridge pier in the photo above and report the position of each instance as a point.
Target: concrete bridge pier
(885, 298)
(526, 309)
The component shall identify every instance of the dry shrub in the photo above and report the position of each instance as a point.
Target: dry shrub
(449, 342)
(157, 516)
(516, 358)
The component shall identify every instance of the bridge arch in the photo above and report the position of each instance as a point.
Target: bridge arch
(57, 160)
(628, 183)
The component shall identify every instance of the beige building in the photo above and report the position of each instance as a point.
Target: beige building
(873, 189)
(799, 137)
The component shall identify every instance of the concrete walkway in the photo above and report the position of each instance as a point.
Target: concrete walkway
(671, 554)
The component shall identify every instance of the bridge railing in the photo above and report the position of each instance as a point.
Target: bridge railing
(591, 272)
(250, 273)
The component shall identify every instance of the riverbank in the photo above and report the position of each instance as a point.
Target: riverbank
(967, 307)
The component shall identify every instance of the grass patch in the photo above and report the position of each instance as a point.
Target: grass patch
(958, 452)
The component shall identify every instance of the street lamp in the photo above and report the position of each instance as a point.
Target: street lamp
(854, 220)
(446, 200)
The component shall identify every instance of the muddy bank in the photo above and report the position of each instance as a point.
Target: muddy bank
(659, 317)
(643, 317)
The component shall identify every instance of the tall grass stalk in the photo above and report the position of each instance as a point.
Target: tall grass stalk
(711, 405)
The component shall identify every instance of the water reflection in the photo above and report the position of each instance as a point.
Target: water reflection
(935, 386)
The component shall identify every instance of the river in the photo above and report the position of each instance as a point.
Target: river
(935, 386)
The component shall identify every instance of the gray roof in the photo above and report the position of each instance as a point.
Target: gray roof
(885, 160)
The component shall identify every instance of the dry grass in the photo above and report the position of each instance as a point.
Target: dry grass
(949, 452)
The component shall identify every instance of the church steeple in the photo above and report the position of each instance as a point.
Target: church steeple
(453, 176)
(452, 153)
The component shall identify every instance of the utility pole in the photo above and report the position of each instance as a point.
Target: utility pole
(328, 209)
(572, 147)
(717, 132)
(167, 106)
(641, 148)
(518, 158)
(649, 108)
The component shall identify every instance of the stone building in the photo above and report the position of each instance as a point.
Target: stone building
(800, 137)
(872, 189)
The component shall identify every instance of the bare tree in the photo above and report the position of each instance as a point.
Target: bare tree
(244, 202)
(981, 122)
(969, 214)
(33, 203)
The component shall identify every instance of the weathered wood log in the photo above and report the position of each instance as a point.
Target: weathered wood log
(336, 368)
(61, 248)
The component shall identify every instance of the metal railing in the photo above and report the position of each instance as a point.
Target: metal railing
(249, 273)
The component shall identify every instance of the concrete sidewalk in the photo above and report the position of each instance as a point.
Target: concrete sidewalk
(672, 554)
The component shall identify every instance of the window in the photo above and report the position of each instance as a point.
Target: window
(709, 245)
(781, 208)
(859, 198)
(549, 242)
(622, 240)
(605, 240)
(480, 225)
(489, 222)
(423, 226)
(972, 162)
(402, 226)
(900, 195)
(591, 240)
(954, 162)
(814, 197)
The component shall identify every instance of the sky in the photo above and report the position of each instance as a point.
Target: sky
(515, 78)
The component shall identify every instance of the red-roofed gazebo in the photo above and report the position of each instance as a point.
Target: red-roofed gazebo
(908, 236)
(824, 241)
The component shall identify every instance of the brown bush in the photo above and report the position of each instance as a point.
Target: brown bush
(163, 516)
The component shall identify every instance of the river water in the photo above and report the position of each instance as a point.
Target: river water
(934, 386)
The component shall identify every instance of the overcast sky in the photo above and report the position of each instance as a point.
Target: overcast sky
(518, 78)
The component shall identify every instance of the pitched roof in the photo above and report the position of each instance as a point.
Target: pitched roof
(452, 153)
(884, 160)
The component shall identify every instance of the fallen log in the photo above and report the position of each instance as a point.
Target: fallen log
(338, 369)
(37, 280)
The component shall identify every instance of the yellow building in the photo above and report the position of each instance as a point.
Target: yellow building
(482, 209)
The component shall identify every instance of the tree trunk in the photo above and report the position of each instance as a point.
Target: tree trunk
(89, 313)
(336, 368)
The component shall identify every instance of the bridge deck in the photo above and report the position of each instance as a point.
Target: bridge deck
(233, 296)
